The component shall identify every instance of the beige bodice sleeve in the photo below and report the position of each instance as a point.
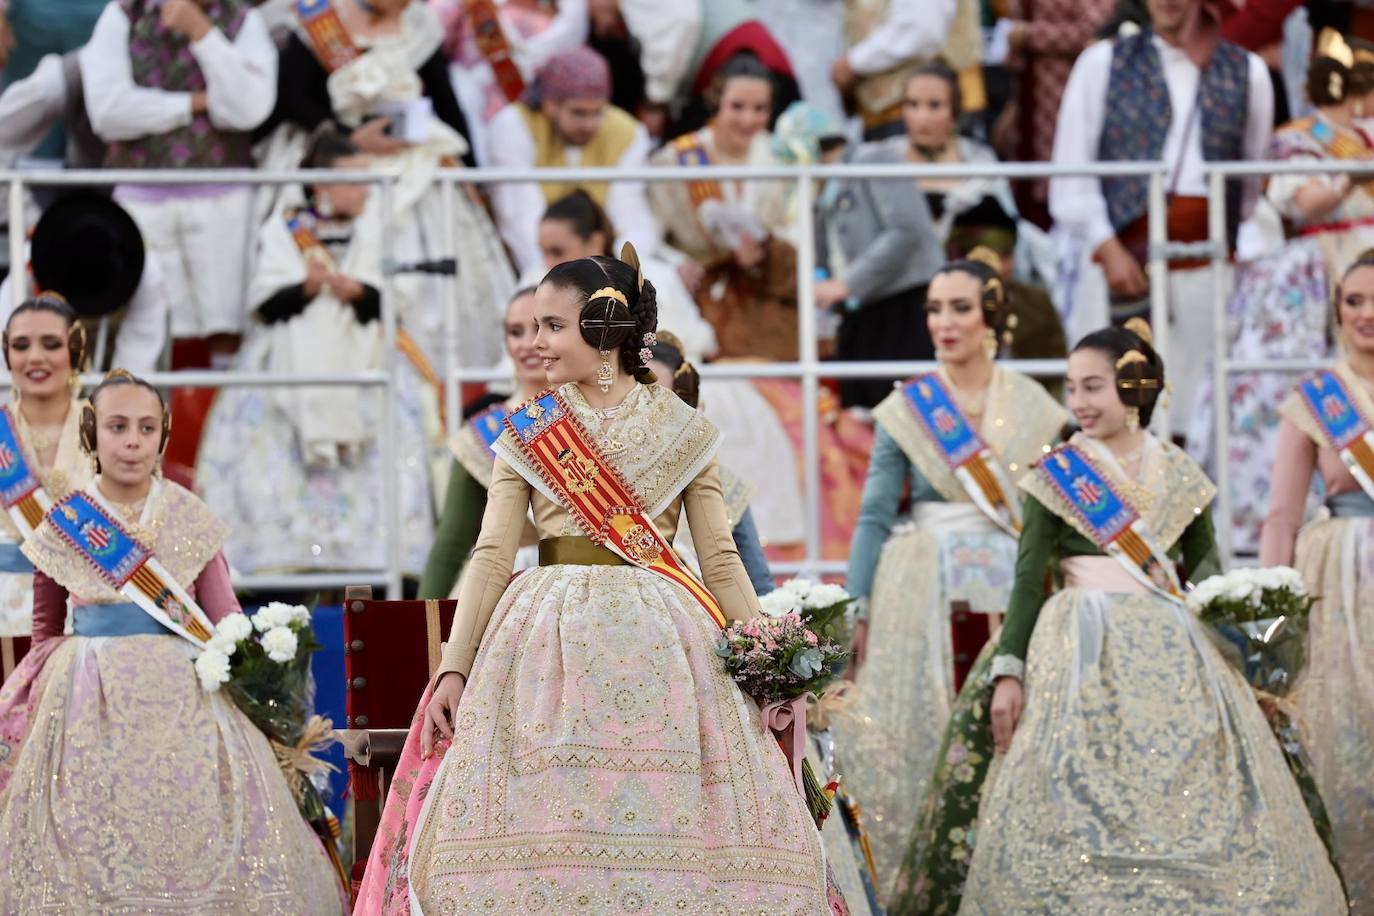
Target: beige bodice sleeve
(721, 568)
(493, 556)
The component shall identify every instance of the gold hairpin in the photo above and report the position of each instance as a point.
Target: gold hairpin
(1141, 329)
(1331, 44)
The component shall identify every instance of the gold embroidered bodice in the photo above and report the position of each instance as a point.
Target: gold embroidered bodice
(665, 451)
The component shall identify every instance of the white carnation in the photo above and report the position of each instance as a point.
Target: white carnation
(824, 595)
(234, 629)
(268, 617)
(779, 603)
(212, 667)
(280, 644)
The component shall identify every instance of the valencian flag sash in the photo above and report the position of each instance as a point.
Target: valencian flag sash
(1346, 428)
(128, 566)
(972, 461)
(21, 492)
(690, 152)
(330, 41)
(494, 48)
(1110, 520)
(487, 426)
(592, 490)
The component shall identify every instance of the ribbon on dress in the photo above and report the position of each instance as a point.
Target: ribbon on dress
(495, 49)
(127, 566)
(786, 721)
(21, 492)
(968, 456)
(330, 41)
(1111, 522)
(1345, 426)
(690, 151)
(594, 493)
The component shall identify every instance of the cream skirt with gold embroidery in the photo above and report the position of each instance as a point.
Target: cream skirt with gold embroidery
(887, 742)
(603, 762)
(137, 792)
(1142, 778)
(1335, 695)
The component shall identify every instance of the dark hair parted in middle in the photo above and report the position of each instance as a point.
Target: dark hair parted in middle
(1139, 369)
(605, 321)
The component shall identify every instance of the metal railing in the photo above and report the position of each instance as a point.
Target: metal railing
(808, 369)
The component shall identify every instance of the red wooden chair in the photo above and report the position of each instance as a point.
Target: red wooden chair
(391, 649)
(12, 650)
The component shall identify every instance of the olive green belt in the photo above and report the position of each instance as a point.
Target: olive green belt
(576, 551)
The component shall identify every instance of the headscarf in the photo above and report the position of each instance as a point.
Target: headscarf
(800, 130)
(578, 73)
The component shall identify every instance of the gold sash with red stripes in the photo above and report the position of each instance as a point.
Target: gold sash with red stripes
(691, 152)
(329, 39)
(593, 491)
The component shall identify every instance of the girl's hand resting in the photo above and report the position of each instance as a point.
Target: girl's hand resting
(441, 712)
(1007, 703)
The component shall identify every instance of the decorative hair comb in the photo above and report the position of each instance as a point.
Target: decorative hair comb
(629, 256)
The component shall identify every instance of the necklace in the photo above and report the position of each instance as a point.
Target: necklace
(43, 439)
(131, 511)
(605, 419)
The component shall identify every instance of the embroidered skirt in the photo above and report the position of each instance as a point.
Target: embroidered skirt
(1335, 694)
(1142, 777)
(130, 790)
(604, 762)
(888, 741)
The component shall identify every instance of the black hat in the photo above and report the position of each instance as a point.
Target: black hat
(89, 249)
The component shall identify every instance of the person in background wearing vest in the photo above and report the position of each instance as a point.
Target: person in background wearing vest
(566, 120)
(887, 37)
(1175, 92)
(179, 84)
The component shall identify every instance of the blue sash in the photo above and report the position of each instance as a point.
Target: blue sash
(127, 566)
(21, 492)
(969, 458)
(1346, 428)
(115, 620)
(488, 426)
(1109, 519)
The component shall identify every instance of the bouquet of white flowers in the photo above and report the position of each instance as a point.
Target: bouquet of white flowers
(1258, 619)
(263, 664)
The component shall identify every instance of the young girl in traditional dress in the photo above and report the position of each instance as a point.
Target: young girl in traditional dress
(953, 440)
(124, 786)
(466, 496)
(1322, 434)
(1136, 769)
(600, 758)
(317, 295)
(45, 348)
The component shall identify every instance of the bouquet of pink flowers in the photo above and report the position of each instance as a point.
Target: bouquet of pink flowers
(780, 660)
(777, 659)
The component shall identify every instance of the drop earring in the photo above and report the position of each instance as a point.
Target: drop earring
(990, 344)
(1133, 419)
(605, 374)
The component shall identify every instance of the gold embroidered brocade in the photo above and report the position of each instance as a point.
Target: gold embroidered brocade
(1020, 419)
(1172, 490)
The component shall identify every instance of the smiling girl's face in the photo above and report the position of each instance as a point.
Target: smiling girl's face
(39, 357)
(1093, 398)
(566, 356)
